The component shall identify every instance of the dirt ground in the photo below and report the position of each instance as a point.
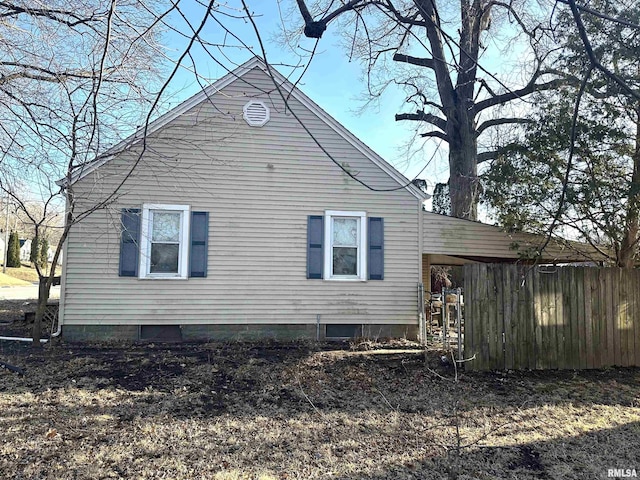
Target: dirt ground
(12, 321)
(305, 411)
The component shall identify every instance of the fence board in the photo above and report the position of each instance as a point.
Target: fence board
(572, 319)
(629, 327)
(636, 323)
(581, 317)
(623, 305)
(509, 295)
(519, 351)
(468, 323)
(615, 315)
(470, 315)
(530, 321)
(597, 325)
(588, 319)
(491, 316)
(565, 317)
(485, 334)
(636, 316)
(607, 315)
(543, 318)
(562, 330)
(479, 331)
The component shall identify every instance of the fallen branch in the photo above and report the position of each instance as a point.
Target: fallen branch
(11, 368)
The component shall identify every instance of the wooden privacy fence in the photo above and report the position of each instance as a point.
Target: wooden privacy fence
(523, 317)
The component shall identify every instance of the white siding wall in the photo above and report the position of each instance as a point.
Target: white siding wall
(258, 185)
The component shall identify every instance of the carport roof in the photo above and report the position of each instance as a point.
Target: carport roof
(458, 241)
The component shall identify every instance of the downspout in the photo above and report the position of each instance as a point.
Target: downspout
(421, 320)
(23, 339)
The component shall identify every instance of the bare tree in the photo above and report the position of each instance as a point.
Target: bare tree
(74, 78)
(438, 47)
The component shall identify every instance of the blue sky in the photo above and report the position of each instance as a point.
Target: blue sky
(332, 81)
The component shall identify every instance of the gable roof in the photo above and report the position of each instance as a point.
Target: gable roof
(217, 86)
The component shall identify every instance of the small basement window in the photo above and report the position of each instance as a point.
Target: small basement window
(256, 113)
(342, 331)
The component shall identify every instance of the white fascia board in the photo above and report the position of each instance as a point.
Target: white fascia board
(164, 119)
(283, 83)
(347, 135)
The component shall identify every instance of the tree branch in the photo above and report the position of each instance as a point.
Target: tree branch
(421, 116)
(500, 121)
(592, 57)
(435, 134)
(315, 29)
(601, 15)
(45, 75)
(422, 62)
(13, 10)
(523, 92)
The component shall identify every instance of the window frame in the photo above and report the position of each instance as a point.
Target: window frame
(361, 275)
(145, 241)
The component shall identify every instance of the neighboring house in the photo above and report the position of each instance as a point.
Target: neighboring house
(51, 252)
(236, 225)
(25, 250)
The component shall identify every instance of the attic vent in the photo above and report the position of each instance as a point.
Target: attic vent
(256, 113)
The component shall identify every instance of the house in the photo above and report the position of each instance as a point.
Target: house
(247, 218)
(25, 250)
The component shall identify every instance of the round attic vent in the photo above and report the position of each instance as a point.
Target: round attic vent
(256, 113)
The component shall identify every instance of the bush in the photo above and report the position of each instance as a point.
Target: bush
(35, 251)
(44, 252)
(13, 250)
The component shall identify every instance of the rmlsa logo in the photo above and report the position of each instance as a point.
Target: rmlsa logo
(622, 473)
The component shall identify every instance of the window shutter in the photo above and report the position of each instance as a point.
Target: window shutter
(315, 248)
(375, 259)
(199, 244)
(129, 242)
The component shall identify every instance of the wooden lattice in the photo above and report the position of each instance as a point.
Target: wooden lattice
(51, 313)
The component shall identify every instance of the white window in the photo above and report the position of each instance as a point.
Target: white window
(345, 240)
(164, 250)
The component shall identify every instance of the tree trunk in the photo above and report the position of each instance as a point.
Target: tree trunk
(463, 165)
(43, 298)
(629, 244)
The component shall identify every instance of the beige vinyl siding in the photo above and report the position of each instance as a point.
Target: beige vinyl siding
(258, 185)
(457, 237)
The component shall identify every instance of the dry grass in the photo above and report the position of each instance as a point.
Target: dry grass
(27, 273)
(10, 280)
(246, 411)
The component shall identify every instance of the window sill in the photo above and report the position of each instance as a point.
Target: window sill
(345, 279)
(163, 278)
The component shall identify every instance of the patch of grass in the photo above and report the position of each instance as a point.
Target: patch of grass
(27, 273)
(283, 412)
(7, 280)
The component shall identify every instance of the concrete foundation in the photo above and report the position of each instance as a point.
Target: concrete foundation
(238, 333)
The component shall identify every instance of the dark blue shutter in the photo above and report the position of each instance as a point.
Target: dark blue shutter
(199, 244)
(315, 248)
(130, 242)
(375, 254)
